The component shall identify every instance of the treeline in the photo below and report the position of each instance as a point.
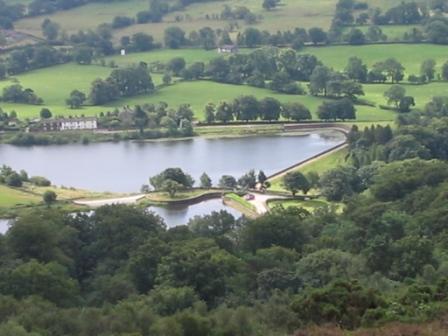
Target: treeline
(12, 178)
(121, 83)
(17, 94)
(248, 108)
(177, 122)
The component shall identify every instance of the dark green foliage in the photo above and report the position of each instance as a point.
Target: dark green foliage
(344, 303)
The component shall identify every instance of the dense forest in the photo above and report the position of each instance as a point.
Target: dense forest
(121, 271)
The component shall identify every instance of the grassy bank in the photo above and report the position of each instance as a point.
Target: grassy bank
(319, 165)
(239, 203)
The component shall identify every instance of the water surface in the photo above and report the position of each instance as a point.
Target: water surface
(125, 166)
(180, 215)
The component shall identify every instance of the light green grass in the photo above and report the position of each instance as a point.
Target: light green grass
(320, 166)
(289, 15)
(84, 17)
(10, 197)
(410, 55)
(165, 55)
(241, 201)
(421, 93)
(54, 85)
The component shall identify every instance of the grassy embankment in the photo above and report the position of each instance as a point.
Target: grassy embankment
(239, 203)
(14, 201)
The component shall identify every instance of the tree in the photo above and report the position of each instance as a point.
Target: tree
(406, 103)
(140, 118)
(270, 4)
(318, 80)
(339, 109)
(445, 71)
(246, 108)
(224, 112)
(206, 181)
(339, 182)
(356, 69)
(45, 113)
(262, 178)
(172, 174)
(227, 181)
(296, 111)
(393, 69)
(248, 180)
(50, 29)
(356, 37)
(172, 187)
(49, 197)
(142, 42)
(83, 55)
(210, 110)
(395, 94)
(167, 79)
(176, 65)
(270, 109)
(296, 181)
(317, 35)
(76, 99)
(252, 37)
(174, 37)
(427, 69)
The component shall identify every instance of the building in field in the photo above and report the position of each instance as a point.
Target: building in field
(228, 49)
(68, 124)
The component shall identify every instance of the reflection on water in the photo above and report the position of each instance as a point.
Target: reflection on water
(180, 215)
(4, 225)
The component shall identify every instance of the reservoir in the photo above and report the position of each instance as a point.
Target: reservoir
(126, 166)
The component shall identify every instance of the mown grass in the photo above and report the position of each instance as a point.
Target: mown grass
(410, 55)
(10, 197)
(240, 200)
(320, 166)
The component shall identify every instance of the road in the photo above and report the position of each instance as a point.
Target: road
(260, 202)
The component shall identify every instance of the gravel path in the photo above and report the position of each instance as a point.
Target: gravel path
(109, 201)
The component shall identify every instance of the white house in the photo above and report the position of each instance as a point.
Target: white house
(78, 124)
(89, 123)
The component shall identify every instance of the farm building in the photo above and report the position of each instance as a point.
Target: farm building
(228, 49)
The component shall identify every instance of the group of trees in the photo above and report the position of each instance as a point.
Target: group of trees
(149, 116)
(17, 94)
(123, 82)
(12, 178)
(246, 108)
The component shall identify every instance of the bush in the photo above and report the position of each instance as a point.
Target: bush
(40, 181)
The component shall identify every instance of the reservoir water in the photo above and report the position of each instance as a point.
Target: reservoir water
(126, 166)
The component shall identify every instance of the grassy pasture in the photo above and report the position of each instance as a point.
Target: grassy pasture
(289, 15)
(12, 197)
(320, 166)
(55, 83)
(410, 55)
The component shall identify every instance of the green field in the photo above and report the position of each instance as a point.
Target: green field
(410, 55)
(288, 15)
(10, 197)
(54, 84)
(320, 166)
